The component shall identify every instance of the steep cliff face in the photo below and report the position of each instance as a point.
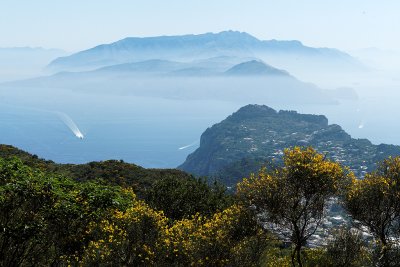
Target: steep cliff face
(256, 135)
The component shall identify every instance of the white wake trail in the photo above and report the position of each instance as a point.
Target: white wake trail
(361, 125)
(192, 144)
(70, 124)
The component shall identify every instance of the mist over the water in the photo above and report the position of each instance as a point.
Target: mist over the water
(149, 130)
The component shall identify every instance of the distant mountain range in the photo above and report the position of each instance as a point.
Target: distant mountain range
(149, 66)
(174, 68)
(228, 66)
(256, 135)
(214, 79)
(187, 48)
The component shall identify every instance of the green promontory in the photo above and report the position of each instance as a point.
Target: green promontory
(256, 135)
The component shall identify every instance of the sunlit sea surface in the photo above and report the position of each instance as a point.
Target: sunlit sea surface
(156, 132)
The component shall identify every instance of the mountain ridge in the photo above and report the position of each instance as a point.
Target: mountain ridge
(186, 47)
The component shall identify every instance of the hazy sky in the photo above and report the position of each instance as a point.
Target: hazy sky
(78, 24)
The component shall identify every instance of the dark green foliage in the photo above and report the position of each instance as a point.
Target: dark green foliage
(49, 219)
(118, 172)
(229, 174)
(110, 172)
(183, 197)
(77, 207)
(23, 203)
(175, 192)
(44, 217)
(7, 151)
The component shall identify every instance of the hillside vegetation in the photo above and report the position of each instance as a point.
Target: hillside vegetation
(91, 214)
(256, 135)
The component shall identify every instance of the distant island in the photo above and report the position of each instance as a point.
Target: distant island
(221, 78)
(255, 68)
(256, 135)
(191, 47)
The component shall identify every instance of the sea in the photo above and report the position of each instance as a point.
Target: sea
(159, 132)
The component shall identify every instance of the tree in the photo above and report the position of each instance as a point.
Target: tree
(347, 249)
(182, 197)
(23, 201)
(294, 197)
(375, 203)
(45, 218)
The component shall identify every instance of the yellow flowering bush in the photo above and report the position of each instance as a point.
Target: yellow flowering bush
(128, 238)
(294, 196)
(202, 241)
(375, 202)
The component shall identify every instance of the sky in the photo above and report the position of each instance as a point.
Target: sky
(75, 25)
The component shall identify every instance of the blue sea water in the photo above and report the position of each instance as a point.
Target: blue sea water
(150, 131)
(144, 131)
